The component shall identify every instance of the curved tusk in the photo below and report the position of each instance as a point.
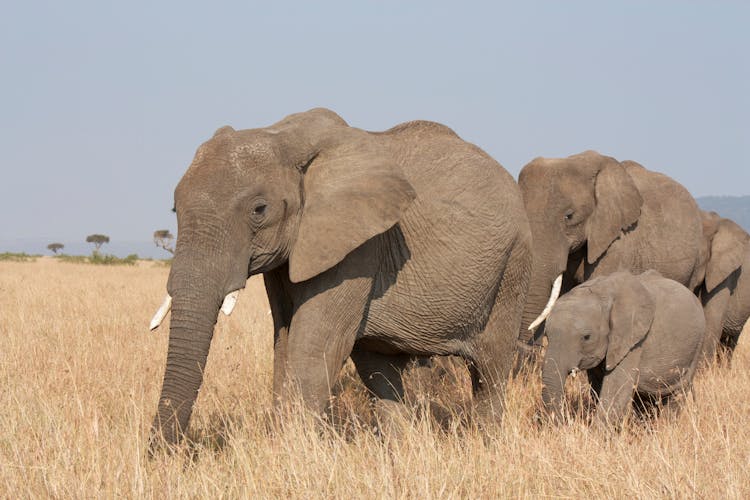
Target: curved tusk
(229, 302)
(556, 286)
(161, 313)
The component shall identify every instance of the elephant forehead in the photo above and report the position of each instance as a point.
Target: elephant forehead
(237, 146)
(534, 174)
(213, 167)
(576, 305)
(260, 152)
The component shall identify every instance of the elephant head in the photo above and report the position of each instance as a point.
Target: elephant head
(598, 321)
(724, 251)
(580, 203)
(305, 192)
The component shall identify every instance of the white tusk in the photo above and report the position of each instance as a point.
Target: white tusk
(556, 286)
(229, 302)
(161, 313)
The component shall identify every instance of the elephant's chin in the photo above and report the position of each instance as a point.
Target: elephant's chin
(588, 363)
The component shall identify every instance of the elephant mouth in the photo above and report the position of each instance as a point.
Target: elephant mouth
(227, 306)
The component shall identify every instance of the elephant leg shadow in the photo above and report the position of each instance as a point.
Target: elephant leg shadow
(404, 387)
(382, 376)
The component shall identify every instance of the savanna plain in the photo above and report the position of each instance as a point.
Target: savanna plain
(80, 376)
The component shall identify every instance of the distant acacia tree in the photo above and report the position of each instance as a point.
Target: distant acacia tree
(55, 247)
(98, 240)
(163, 238)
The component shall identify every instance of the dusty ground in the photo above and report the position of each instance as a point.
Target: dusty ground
(80, 375)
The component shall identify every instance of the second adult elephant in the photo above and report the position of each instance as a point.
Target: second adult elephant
(591, 215)
(379, 246)
(725, 292)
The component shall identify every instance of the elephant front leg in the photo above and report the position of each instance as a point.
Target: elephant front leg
(617, 389)
(323, 329)
(277, 285)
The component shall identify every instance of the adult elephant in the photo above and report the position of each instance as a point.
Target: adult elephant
(725, 291)
(379, 246)
(591, 215)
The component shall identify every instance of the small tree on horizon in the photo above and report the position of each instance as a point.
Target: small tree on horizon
(98, 240)
(55, 247)
(163, 238)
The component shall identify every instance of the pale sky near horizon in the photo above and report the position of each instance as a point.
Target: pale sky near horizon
(103, 104)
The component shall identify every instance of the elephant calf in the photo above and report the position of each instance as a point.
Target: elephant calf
(634, 334)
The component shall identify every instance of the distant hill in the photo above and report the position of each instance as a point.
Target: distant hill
(736, 208)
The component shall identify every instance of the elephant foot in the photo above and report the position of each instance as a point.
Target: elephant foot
(392, 419)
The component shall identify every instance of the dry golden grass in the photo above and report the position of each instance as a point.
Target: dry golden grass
(80, 376)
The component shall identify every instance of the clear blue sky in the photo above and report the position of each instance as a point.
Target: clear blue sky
(102, 105)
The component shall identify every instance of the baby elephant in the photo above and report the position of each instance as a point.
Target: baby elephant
(634, 334)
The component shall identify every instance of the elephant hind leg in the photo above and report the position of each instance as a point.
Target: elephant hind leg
(493, 350)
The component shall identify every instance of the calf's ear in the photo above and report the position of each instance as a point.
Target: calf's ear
(630, 318)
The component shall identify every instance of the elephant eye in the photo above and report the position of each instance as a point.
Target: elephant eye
(587, 336)
(568, 215)
(259, 210)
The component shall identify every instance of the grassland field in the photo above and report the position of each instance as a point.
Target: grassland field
(80, 375)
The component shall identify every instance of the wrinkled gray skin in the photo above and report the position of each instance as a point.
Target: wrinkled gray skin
(591, 215)
(643, 332)
(379, 246)
(725, 292)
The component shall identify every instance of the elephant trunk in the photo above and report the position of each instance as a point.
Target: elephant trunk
(196, 299)
(550, 261)
(553, 378)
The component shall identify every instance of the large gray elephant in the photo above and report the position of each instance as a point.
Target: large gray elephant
(725, 292)
(591, 215)
(381, 246)
(634, 334)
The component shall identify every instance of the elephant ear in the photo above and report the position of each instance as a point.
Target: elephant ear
(727, 252)
(618, 206)
(351, 193)
(630, 317)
